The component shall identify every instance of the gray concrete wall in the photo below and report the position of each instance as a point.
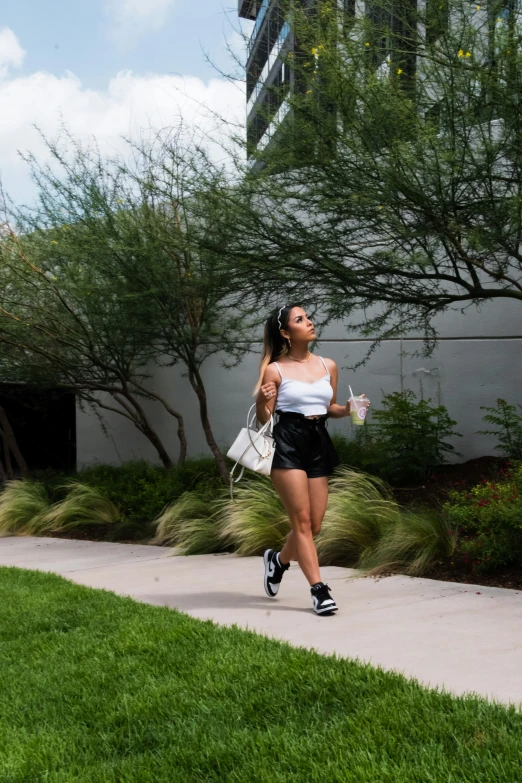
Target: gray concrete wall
(477, 361)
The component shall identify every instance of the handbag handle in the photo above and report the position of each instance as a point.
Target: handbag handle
(267, 427)
(252, 419)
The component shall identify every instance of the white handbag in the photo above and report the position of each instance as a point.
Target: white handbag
(253, 449)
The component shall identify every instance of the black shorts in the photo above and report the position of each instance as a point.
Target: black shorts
(304, 444)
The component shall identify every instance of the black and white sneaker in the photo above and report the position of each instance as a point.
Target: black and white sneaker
(273, 572)
(323, 601)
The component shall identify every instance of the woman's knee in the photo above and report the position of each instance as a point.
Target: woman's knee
(316, 527)
(302, 522)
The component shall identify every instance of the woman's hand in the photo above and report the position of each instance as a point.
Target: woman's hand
(349, 404)
(268, 391)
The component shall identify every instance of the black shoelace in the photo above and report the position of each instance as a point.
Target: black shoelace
(322, 591)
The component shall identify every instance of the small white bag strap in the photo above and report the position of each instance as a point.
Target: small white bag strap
(251, 420)
(268, 427)
(233, 480)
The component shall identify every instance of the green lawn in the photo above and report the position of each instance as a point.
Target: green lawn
(99, 688)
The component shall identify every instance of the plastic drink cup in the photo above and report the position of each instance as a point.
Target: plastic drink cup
(358, 409)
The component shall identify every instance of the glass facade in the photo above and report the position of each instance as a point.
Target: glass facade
(261, 14)
(268, 77)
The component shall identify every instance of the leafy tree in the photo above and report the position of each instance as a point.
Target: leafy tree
(393, 185)
(201, 299)
(112, 275)
(67, 318)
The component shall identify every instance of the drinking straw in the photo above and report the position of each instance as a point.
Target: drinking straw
(351, 392)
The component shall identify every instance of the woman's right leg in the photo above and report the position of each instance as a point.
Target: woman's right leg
(292, 487)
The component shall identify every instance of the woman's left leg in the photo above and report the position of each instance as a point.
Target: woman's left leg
(318, 494)
(323, 602)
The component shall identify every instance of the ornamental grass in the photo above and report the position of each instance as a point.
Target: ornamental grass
(22, 504)
(82, 505)
(25, 508)
(360, 509)
(255, 519)
(365, 528)
(192, 524)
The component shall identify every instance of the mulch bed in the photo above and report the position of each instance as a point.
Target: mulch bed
(433, 492)
(457, 570)
(96, 533)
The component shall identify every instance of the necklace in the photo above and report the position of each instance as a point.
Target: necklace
(300, 360)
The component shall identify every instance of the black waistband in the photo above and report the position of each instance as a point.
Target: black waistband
(301, 417)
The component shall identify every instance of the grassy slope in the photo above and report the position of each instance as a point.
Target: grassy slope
(99, 688)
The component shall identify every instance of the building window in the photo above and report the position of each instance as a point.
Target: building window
(349, 9)
(437, 19)
(394, 34)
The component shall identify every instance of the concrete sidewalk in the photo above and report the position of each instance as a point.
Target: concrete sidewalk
(462, 637)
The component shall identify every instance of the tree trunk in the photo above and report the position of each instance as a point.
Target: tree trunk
(197, 384)
(7, 457)
(182, 441)
(158, 445)
(10, 444)
(181, 424)
(145, 427)
(3, 474)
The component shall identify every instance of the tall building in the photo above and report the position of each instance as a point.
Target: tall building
(268, 76)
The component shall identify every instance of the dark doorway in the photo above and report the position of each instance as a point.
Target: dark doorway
(44, 424)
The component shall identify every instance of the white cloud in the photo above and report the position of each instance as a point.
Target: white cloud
(130, 18)
(11, 53)
(129, 106)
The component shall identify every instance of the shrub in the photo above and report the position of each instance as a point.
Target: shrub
(22, 504)
(509, 428)
(406, 439)
(192, 524)
(359, 507)
(141, 490)
(490, 517)
(255, 519)
(361, 450)
(124, 530)
(411, 436)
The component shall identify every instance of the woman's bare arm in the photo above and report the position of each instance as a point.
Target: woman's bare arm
(336, 411)
(267, 395)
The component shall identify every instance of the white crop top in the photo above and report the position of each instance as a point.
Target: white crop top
(310, 399)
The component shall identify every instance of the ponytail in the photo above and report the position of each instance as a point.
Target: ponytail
(274, 344)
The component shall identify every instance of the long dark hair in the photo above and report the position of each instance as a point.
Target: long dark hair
(274, 344)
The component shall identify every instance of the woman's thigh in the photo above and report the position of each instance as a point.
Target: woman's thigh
(292, 487)
(318, 495)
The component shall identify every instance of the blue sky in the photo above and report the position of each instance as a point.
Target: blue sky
(82, 37)
(109, 68)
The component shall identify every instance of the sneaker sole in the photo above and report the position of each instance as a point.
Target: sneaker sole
(326, 610)
(267, 588)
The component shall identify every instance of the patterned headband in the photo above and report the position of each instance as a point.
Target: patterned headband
(279, 316)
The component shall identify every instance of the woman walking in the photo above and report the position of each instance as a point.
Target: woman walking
(302, 389)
